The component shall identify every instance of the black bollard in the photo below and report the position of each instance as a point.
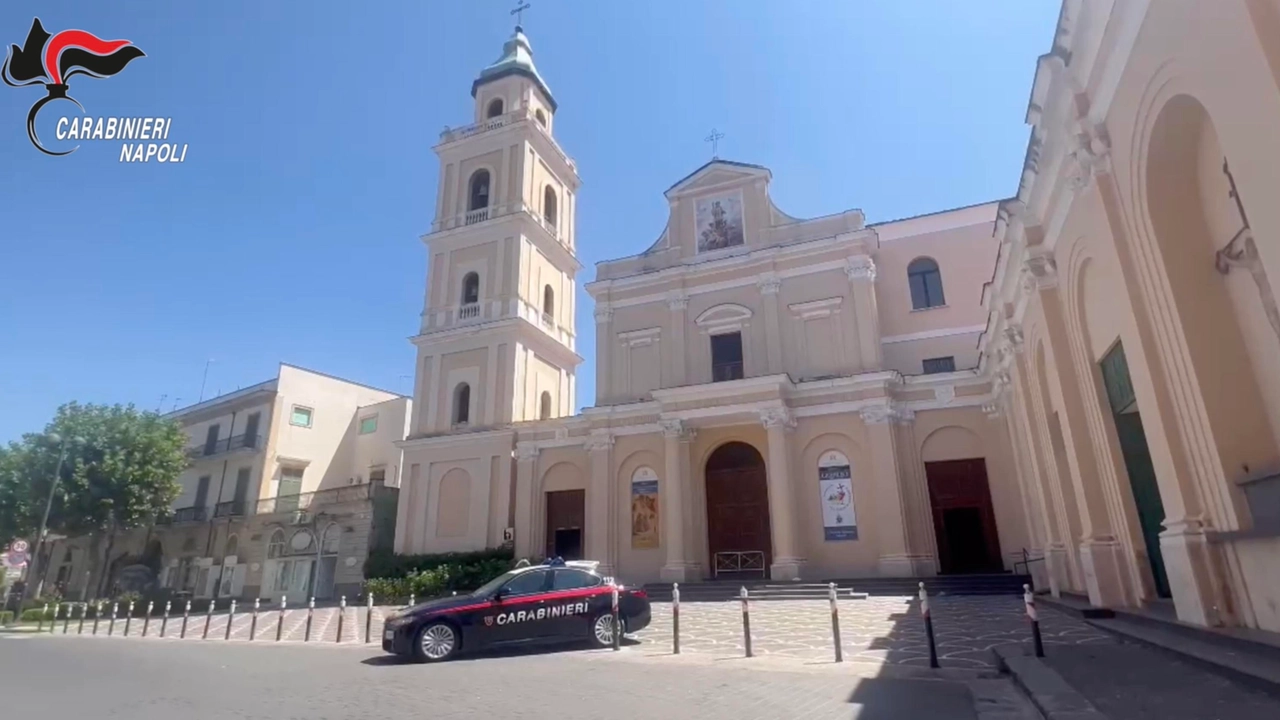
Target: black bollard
(342, 613)
(368, 617)
(311, 610)
(231, 617)
(97, 613)
(835, 622)
(928, 627)
(208, 618)
(84, 610)
(1030, 600)
(115, 608)
(280, 624)
(253, 624)
(40, 620)
(675, 618)
(146, 623)
(186, 615)
(746, 621)
(616, 619)
(164, 624)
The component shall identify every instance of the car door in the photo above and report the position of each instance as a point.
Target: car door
(515, 610)
(574, 601)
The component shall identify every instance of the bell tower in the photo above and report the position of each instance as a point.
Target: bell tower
(497, 339)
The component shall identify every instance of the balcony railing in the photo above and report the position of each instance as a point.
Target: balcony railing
(195, 513)
(470, 311)
(234, 508)
(720, 372)
(519, 115)
(476, 216)
(224, 445)
(548, 321)
(309, 500)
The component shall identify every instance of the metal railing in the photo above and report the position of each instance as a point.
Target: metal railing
(308, 500)
(1025, 562)
(721, 372)
(469, 311)
(229, 509)
(223, 445)
(744, 561)
(195, 513)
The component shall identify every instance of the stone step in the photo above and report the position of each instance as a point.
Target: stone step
(721, 590)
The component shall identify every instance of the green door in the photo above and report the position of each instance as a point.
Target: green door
(1137, 460)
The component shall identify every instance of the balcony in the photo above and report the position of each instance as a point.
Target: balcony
(548, 322)
(234, 508)
(524, 114)
(185, 515)
(722, 372)
(224, 445)
(318, 498)
(476, 216)
(470, 311)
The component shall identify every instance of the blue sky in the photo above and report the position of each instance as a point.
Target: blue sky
(290, 233)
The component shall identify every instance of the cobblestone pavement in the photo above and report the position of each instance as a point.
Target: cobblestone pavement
(876, 630)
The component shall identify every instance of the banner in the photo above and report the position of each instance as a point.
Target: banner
(835, 487)
(644, 509)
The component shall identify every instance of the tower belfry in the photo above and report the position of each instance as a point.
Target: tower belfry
(497, 340)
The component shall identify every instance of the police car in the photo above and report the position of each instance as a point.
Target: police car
(555, 602)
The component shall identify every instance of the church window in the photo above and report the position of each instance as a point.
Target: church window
(479, 191)
(461, 405)
(541, 117)
(726, 357)
(495, 108)
(275, 547)
(470, 288)
(548, 302)
(549, 205)
(925, 280)
(544, 410)
(939, 365)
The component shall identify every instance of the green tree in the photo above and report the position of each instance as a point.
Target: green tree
(119, 472)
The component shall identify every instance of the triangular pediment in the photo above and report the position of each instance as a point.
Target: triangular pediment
(718, 173)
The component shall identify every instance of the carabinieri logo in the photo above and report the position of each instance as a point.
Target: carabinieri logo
(53, 60)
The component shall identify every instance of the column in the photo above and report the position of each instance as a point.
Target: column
(861, 270)
(604, 355)
(600, 501)
(890, 508)
(1055, 551)
(769, 285)
(778, 422)
(526, 465)
(678, 302)
(671, 489)
(921, 544)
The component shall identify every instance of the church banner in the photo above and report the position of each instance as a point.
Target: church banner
(835, 485)
(644, 509)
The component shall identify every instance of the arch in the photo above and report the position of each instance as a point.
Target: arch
(232, 546)
(951, 442)
(540, 116)
(478, 190)
(453, 504)
(331, 539)
(470, 288)
(549, 205)
(275, 544)
(548, 301)
(739, 532)
(462, 404)
(722, 315)
(495, 108)
(924, 277)
(563, 476)
(544, 406)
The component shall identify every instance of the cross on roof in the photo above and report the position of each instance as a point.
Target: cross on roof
(714, 138)
(519, 12)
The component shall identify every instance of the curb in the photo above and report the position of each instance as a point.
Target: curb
(1051, 695)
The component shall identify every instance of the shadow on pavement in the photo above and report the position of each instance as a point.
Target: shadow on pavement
(506, 652)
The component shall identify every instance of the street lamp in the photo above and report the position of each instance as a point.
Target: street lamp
(48, 506)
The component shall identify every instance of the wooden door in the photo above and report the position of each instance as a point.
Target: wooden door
(738, 512)
(566, 523)
(964, 522)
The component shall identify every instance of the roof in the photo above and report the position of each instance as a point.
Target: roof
(517, 59)
(715, 161)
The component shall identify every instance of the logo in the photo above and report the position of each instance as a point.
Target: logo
(488, 621)
(53, 60)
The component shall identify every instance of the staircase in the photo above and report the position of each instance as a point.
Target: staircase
(722, 590)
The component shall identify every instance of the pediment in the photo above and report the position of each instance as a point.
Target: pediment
(718, 173)
(723, 314)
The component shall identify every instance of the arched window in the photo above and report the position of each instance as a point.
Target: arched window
(233, 544)
(331, 539)
(925, 280)
(495, 108)
(275, 546)
(462, 404)
(544, 412)
(548, 301)
(549, 205)
(479, 194)
(470, 288)
(540, 116)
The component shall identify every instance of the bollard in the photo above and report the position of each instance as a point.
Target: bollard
(835, 622)
(97, 613)
(617, 621)
(746, 621)
(311, 609)
(208, 618)
(146, 624)
(280, 625)
(253, 624)
(1030, 600)
(66, 619)
(231, 617)
(186, 615)
(928, 627)
(164, 624)
(342, 613)
(368, 617)
(675, 618)
(128, 619)
(84, 610)
(411, 600)
(115, 607)
(40, 621)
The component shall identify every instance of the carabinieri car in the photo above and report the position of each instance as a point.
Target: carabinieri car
(555, 602)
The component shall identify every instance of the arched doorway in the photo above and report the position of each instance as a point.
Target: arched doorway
(738, 532)
(964, 521)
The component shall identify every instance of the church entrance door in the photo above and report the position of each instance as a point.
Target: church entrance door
(738, 533)
(566, 515)
(963, 520)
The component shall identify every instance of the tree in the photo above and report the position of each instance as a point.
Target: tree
(120, 472)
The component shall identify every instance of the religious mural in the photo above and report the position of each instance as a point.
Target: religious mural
(719, 222)
(644, 509)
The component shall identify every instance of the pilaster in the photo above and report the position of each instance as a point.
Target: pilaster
(678, 304)
(526, 473)
(600, 540)
(770, 284)
(890, 508)
(861, 270)
(787, 561)
(604, 353)
(677, 568)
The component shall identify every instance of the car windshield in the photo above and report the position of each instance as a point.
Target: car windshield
(489, 587)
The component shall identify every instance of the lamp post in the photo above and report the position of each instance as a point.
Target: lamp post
(44, 520)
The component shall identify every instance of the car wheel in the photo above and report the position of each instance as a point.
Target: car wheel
(435, 642)
(602, 629)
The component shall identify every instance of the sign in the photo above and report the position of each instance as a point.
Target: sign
(18, 546)
(15, 559)
(835, 488)
(508, 535)
(644, 509)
